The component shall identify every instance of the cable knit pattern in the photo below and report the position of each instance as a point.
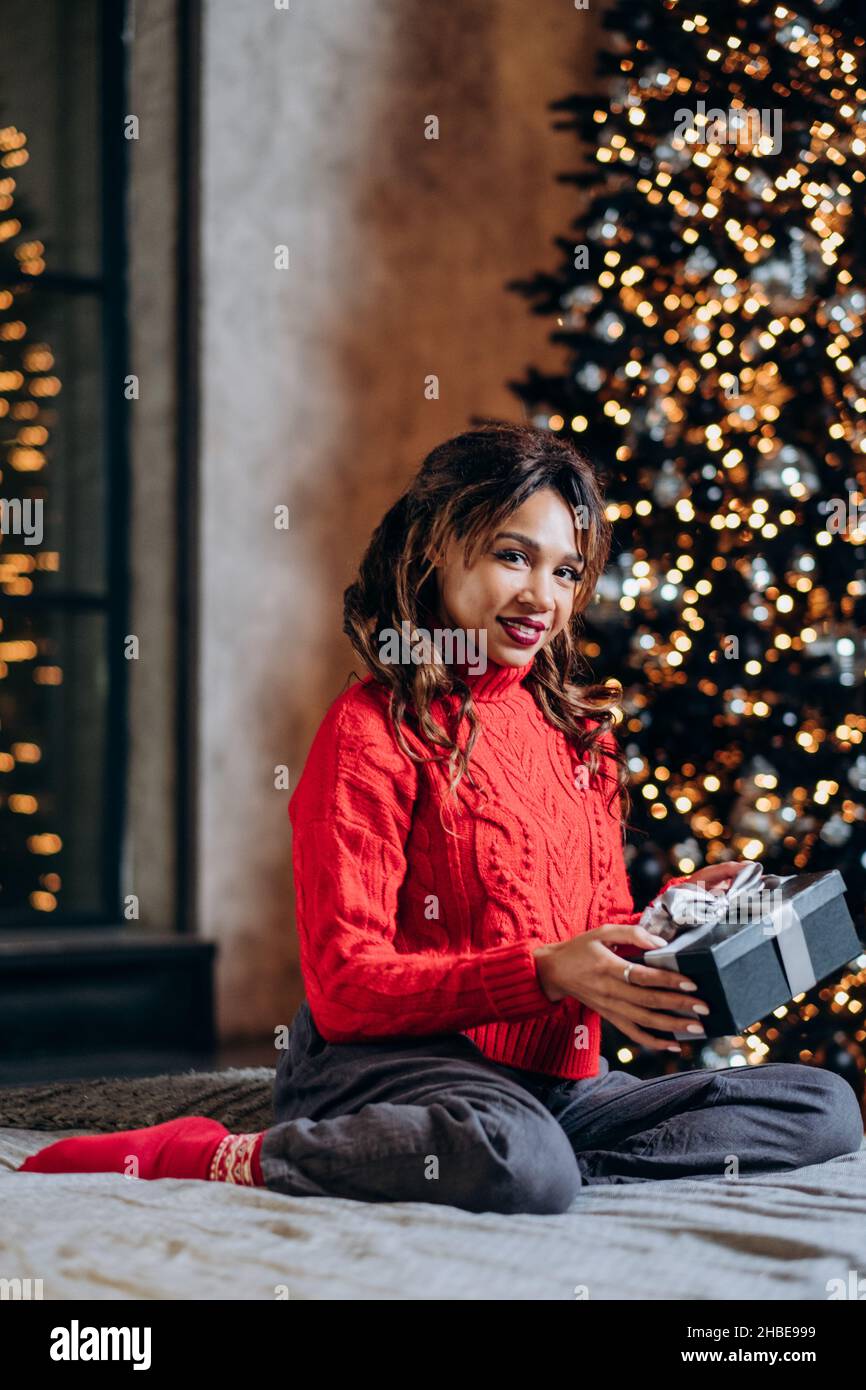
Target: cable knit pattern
(409, 928)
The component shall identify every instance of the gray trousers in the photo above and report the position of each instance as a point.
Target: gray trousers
(431, 1119)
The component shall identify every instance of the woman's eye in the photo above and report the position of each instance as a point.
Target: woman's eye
(512, 555)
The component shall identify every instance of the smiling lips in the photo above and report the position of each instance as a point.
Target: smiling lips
(524, 631)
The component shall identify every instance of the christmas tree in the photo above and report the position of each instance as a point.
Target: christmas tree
(30, 848)
(711, 305)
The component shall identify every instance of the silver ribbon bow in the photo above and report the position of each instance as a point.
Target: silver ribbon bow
(686, 913)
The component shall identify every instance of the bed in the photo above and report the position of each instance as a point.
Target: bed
(103, 1236)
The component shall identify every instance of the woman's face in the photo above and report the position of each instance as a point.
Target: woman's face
(529, 570)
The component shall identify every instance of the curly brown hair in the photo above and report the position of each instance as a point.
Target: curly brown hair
(465, 489)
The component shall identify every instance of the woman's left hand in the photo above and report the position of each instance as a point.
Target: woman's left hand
(717, 878)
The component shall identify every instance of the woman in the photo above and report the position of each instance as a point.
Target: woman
(463, 908)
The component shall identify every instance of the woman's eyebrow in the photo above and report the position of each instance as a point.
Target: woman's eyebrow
(533, 545)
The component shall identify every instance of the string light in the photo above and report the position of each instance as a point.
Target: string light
(29, 386)
(718, 367)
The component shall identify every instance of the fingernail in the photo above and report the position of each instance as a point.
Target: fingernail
(688, 984)
(659, 940)
(674, 1047)
(700, 1009)
(695, 1028)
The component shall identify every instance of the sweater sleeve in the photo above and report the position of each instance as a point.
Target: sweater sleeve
(351, 814)
(620, 909)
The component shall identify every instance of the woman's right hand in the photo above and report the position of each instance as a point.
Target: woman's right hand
(586, 968)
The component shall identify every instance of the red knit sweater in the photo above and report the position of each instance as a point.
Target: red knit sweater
(405, 929)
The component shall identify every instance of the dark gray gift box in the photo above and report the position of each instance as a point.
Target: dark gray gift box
(744, 969)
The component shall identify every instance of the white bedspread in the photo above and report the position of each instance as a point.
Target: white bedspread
(104, 1236)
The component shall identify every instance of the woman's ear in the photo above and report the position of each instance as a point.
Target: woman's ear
(434, 556)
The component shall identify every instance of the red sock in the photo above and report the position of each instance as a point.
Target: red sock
(191, 1147)
(237, 1158)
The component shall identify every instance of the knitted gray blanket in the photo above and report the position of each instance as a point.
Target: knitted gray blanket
(239, 1097)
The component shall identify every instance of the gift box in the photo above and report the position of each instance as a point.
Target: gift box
(755, 947)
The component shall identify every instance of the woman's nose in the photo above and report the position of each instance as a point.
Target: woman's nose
(539, 592)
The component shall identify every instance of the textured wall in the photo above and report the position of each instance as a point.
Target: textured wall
(150, 864)
(313, 378)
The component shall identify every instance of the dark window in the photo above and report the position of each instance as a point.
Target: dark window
(63, 460)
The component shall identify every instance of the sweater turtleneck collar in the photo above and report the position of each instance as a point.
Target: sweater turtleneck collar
(496, 683)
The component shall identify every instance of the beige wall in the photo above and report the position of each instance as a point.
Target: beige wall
(150, 868)
(312, 379)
